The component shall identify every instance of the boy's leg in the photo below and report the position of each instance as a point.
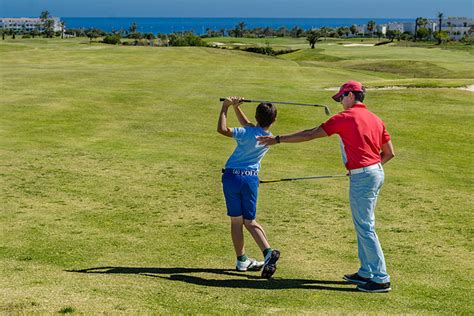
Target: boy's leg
(236, 224)
(231, 184)
(249, 210)
(258, 234)
(243, 262)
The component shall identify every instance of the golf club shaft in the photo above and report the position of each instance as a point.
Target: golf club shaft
(277, 102)
(326, 108)
(303, 178)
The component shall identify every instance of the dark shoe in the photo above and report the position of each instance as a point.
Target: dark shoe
(373, 287)
(355, 279)
(269, 267)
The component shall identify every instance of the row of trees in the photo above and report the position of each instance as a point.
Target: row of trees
(422, 32)
(241, 30)
(139, 38)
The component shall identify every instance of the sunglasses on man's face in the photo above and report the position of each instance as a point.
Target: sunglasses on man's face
(345, 94)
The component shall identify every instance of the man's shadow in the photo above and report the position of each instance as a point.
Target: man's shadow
(245, 280)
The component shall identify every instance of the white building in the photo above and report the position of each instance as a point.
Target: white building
(382, 28)
(361, 29)
(457, 27)
(28, 24)
(395, 27)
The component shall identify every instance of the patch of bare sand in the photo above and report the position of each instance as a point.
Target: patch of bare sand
(352, 45)
(469, 88)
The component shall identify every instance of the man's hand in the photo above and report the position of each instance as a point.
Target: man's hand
(266, 140)
(232, 101)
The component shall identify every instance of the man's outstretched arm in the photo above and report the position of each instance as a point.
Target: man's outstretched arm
(297, 137)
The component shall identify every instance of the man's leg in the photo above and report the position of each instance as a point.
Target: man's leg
(364, 190)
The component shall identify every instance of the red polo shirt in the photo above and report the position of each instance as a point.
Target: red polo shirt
(362, 133)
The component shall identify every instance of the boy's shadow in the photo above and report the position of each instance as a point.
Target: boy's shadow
(249, 282)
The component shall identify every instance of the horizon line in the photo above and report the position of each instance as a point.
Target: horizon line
(215, 17)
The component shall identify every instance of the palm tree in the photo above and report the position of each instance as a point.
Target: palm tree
(440, 19)
(312, 37)
(240, 29)
(324, 31)
(133, 28)
(49, 28)
(353, 29)
(417, 23)
(150, 37)
(371, 27)
(420, 22)
(471, 30)
(45, 15)
(62, 29)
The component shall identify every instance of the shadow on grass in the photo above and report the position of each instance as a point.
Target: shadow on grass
(246, 281)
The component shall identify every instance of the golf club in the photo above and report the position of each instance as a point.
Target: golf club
(326, 108)
(303, 178)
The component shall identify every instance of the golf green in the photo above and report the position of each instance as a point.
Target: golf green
(110, 191)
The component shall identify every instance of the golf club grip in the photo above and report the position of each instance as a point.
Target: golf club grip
(276, 180)
(223, 99)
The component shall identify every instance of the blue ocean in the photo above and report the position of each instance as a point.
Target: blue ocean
(200, 25)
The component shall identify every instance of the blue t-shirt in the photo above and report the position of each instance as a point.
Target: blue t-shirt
(248, 153)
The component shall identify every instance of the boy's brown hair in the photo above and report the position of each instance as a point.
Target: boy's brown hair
(265, 114)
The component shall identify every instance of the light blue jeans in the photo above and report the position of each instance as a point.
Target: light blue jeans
(363, 192)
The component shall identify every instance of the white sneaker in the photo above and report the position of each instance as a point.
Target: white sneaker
(249, 265)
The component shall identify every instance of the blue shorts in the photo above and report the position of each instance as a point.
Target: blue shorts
(241, 192)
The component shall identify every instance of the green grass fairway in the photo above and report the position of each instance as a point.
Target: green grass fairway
(110, 193)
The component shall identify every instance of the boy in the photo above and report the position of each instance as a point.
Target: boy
(240, 182)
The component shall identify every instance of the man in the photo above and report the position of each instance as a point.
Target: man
(366, 146)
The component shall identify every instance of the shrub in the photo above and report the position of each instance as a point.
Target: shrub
(26, 36)
(285, 51)
(382, 43)
(112, 39)
(261, 50)
(186, 39)
(468, 40)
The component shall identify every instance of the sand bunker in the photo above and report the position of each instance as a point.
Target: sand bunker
(226, 44)
(469, 88)
(95, 47)
(352, 45)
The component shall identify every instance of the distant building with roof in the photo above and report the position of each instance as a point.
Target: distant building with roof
(456, 27)
(28, 24)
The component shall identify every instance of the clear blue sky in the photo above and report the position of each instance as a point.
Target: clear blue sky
(239, 8)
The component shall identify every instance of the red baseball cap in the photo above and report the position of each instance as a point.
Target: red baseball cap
(350, 86)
